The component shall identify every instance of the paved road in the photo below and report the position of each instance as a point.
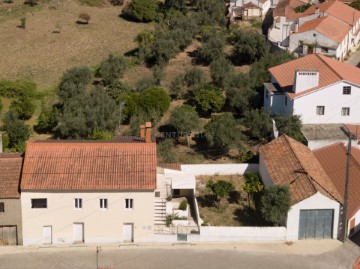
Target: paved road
(184, 257)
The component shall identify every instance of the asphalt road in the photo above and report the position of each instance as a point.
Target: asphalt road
(185, 257)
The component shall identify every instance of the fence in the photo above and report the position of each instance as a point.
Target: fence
(219, 169)
(168, 230)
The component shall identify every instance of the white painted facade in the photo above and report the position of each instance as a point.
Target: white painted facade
(99, 225)
(356, 217)
(264, 7)
(317, 201)
(315, 144)
(219, 169)
(331, 97)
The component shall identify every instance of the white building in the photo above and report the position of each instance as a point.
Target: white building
(315, 202)
(333, 160)
(248, 9)
(319, 89)
(88, 191)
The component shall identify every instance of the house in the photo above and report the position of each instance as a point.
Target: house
(330, 28)
(333, 160)
(319, 89)
(10, 206)
(248, 9)
(315, 202)
(89, 191)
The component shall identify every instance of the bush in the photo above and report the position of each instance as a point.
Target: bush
(24, 107)
(116, 89)
(183, 205)
(208, 99)
(177, 87)
(194, 77)
(84, 17)
(290, 125)
(1, 105)
(212, 47)
(17, 88)
(23, 22)
(220, 70)
(145, 83)
(74, 82)
(165, 151)
(16, 130)
(48, 120)
(112, 69)
(154, 98)
(221, 189)
(5, 141)
(259, 122)
(141, 10)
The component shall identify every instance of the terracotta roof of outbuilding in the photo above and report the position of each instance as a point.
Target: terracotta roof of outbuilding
(330, 72)
(328, 26)
(333, 160)
(10, 172)
(286, 8)
(337, 9)
(354, 129)
(289, 162)
(96, 165)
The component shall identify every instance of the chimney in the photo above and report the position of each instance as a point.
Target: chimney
(317, 10)
(142, 131)
(148, 132)
(305, 79)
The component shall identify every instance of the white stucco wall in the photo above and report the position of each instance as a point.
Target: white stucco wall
(219, 169)
(315, 144)
(317, 201)
(264, 174)
(333, 99)
(100, 225)
(357, 222)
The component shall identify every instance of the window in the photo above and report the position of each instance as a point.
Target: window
(320, 110)
(77, 203)
(2, 207)
(103, 203)
(345, 111)
(129, 203)
(38, 203)
(347, 90)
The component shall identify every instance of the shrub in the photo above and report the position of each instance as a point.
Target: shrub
(1, 105)
(183, 205)
(145, 83)
(194, 77)
(112, 68)
(24, 107)
(142, 10)
(165, 151)
(154, 98)
(17, 88)
(84, 17)
(16, 129)
(23, 22)
(170, 218)
(220, 189)
(208, 99)
(73, 82)
(5, 141)
(48, 120)
(252, 185)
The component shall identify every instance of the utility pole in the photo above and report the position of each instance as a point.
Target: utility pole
(347, 180)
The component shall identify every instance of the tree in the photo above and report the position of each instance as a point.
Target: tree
(73, 82)
(24, 106)
(208, 99)
(221, 132)
(116, 89)
(175, 5)
(100, 135)
(355, 4)
(212, 47)
(177, 87)
(252, 185)
(112, 69)
(84, 17)
(142, 10)
(184, 119)
(145, 41)
(194, 77)
(259, 122)
(164, 149)
(48, 120)
(275, 203)
(221, 189)
(16, 130)
(1, 105)
(290, 125)
(145, 83)
(220, 70)
(154, 98)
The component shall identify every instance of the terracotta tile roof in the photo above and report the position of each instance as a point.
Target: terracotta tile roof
(354, 129)
(329, 26)
(286, 8)
(333, 160)
(97, 165)
(337, 9)
(10, 172)
(291, 163)
(331, 71)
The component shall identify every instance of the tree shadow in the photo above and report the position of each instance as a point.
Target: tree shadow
(234, 197)
(207, 200)
(249, 217)
(81, 22)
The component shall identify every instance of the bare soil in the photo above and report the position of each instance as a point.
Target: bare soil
(53, 42)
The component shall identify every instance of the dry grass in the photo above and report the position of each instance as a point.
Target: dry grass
(233, 212)
(40, 54)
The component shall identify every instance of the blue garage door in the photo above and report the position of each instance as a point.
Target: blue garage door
(316, 223)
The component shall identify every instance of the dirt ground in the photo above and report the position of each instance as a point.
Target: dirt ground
(53, 42)
(233, 211)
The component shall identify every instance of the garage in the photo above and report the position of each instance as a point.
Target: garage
(316, 224)
(8, 235)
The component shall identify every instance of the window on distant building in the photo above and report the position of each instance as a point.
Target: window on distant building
(39, 203)
(77, 203)
(345, 111)
(320, 110)
(347, 90)
(103, 203)
(2, 207)
(129, 203)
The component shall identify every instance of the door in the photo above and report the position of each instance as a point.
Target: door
(8, 235)
(78, 230)
(128, 232)
(47, 235)
(316, 224)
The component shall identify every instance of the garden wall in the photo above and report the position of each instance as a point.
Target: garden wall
(219, 169)
(210, 233)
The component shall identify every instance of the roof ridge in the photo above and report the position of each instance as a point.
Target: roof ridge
(321, 58)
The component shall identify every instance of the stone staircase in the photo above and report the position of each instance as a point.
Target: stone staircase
(160, 211)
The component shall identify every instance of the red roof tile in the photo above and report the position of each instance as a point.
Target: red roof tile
(291, 163)
(354, 129)
(10, 171)
(96, 165)
(286, 8)
(328, 26)
(331, 71)
(333, 160)
(337, 9)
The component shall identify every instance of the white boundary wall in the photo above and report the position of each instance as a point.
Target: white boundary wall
(219, 169)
